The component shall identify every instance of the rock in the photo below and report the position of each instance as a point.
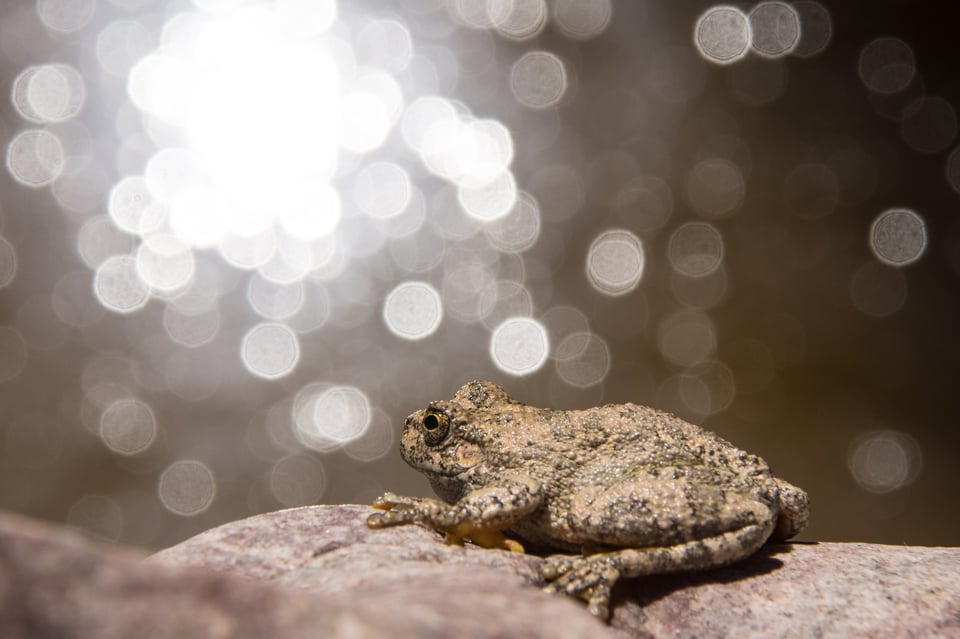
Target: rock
(320, 572)
(316, 572)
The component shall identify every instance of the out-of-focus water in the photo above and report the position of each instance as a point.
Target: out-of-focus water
(240, 240)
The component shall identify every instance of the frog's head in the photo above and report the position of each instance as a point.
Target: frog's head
(447, 439)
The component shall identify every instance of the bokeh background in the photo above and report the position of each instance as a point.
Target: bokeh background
(240, 240)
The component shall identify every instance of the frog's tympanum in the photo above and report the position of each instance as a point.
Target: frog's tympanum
(632, 490)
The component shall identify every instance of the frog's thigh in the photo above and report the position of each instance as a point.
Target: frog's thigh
(701, 554)
(794, 510)
(663, 513)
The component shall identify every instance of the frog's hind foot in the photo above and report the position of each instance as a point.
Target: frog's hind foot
(590, 578)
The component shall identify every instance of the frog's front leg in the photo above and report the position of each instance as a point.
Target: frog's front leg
(479, 515)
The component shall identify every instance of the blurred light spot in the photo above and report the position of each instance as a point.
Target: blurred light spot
(418, 253)
(385, 44)
(8, 262)
(73, 301)
(118, 285)
(65, 16)
(259, 108)
(538, 79)
(811, 191)
(582, 359)
(953, 169)
(165, 263)
(309, 210)
(471, 153)
(298, 480)
(48, 93)
(757, 82)
(519, 346)
(413, 310)
(707, 388)
(695, 249)
(13, 353)
(270, 350)
(106, 373)
(191, 319)
(35, 157)
(582, 19)
(562, 321)
(615, 262)
(376, 441)
(81, 188)
(120, 44)
(187, 488)
(882, 461)
(248, 252)
(274, 301)
(518, 19)
(306, 18)
(382, 189)
(645, 203)
(703, 292)
(887, 65)
(128, 426)
(471, 13)
(559, 189)
(97, 515)
(461, 288)
(929, 124)
(898, 237)
(686, 338)
(490, 201)
(878, 290)
(364, 122)
(327, 417)
(816, 28)
(421, 116)
(502, 300)
(198, 216)
(133, 208)
(518, 229)
(99, 239)
(172, 171)
(715, 187)
(775, 27)
(722, 34)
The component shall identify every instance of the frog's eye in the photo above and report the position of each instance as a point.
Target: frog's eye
(435, 427)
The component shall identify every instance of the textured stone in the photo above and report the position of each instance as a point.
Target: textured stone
(320, 572)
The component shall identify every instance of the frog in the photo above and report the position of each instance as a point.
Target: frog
(615, 491)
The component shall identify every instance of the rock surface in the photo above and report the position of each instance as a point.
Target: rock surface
(319, 572)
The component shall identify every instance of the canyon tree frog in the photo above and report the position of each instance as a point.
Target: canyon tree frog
(632, 490)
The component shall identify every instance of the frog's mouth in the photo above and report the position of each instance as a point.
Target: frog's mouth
(446, 462)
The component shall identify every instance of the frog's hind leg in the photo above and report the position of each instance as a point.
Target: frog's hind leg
(593, 576)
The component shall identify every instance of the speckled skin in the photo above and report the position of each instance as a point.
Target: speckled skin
(636, 491)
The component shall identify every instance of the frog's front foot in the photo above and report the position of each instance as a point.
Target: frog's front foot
(591, 578)
(397, 510)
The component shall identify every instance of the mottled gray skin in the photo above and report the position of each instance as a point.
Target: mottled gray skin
(634, 490)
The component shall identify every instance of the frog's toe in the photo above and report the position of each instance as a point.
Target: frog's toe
(553, 567)
(386, 501)
(590, 578)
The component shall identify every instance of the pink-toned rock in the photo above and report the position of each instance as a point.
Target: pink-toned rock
(320, 572)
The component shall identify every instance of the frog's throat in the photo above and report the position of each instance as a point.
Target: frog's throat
(449, 489)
